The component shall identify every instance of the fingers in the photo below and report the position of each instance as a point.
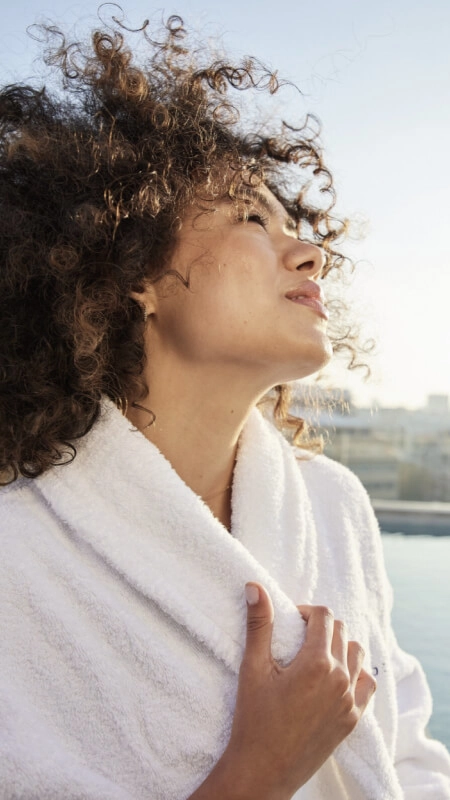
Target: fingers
(355, 659)
(326, 637)
(362, 685)
(319, 627)
(259, 624)
(326, 634)
(366, 686)
(339, 644)
(350, 655)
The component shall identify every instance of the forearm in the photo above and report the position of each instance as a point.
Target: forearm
(230, 781)
(221, 784)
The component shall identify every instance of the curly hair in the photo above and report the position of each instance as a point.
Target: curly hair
(95, 175)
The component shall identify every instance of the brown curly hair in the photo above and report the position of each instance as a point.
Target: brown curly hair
(95, 175)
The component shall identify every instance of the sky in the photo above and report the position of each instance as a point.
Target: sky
(378, 77)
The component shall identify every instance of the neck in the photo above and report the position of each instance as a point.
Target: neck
(197, 427)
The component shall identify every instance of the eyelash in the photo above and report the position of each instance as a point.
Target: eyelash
(259, 219)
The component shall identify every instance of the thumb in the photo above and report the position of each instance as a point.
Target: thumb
(259, 623)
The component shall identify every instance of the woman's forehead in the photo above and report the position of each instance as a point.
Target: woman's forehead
(240, 193)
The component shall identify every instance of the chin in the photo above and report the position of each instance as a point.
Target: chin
(317, 357)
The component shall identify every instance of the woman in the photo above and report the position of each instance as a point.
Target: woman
(161, 273)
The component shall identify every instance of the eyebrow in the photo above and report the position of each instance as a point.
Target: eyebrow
(250, 193)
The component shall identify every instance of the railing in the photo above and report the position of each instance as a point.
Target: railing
(413, 517)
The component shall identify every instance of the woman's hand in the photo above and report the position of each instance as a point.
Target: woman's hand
(288, 720)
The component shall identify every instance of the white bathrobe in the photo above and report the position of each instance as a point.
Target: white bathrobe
(123, 621)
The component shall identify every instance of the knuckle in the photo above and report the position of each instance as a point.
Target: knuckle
(342, 679)
(256, 622)
(351, 719)
(371, 683)
(348, 703)
(251, 666)
(340, 626)
(357, 650)
(323, 664)
(325, 612)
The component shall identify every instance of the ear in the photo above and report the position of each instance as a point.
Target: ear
(147, 299)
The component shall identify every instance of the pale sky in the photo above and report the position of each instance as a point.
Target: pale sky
(378, 76)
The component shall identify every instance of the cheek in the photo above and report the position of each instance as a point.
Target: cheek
(229, 294)
(191, 324)
(230, 301)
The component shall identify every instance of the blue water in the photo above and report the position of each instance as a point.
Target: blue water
(419, 570)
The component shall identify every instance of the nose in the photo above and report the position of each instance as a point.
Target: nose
(305, 257)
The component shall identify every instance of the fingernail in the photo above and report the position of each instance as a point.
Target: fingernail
(251, 594)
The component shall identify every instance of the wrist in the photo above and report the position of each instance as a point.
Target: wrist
(223, 783)
(227, 781)
(232, 780)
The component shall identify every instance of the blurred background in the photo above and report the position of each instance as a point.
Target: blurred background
(378, 77)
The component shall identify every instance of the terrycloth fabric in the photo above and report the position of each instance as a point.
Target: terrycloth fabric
(123, 622)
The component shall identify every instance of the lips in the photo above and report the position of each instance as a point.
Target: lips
(309, 294)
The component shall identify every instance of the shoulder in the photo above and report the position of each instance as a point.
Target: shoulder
(25, 518)
(324, 476)
(341, 502)
(327, 482)
(15, 496)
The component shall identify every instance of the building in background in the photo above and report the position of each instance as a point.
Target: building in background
(398, 453)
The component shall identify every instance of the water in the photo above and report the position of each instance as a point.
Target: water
(419, 570)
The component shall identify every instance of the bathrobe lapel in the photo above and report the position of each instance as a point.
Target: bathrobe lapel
(162, 537)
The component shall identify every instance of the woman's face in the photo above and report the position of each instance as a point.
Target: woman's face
(253, 303)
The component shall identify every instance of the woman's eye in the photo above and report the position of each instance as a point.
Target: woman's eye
(258, 218)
